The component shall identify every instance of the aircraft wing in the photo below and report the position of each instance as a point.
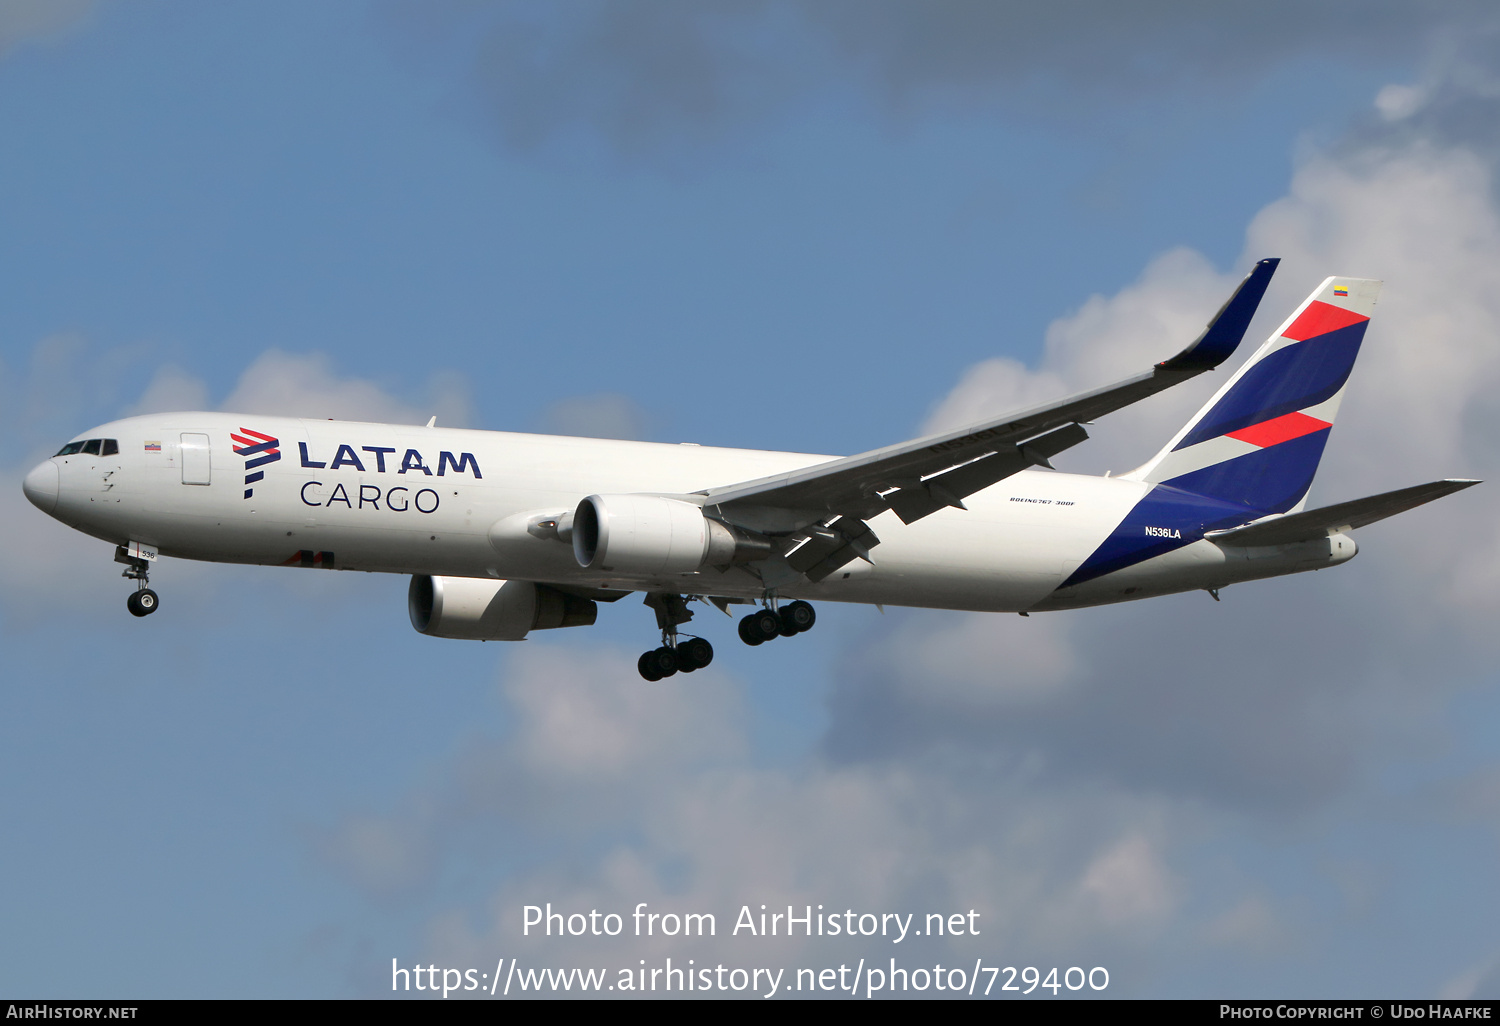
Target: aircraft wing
(922, 476)
(1344, 516)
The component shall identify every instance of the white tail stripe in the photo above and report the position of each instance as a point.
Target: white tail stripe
(1168, 464)
(1217, 450)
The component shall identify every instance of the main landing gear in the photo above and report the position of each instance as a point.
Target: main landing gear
(674, 655)
(764, 624)
(690, 653)
(143, 601)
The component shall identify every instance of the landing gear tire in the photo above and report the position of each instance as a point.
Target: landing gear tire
(760, 626)
(747, 634)
(694, 654)
(657, 663)
(796, 618)
(142, 603)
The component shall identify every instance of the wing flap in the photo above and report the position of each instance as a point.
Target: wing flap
(913, 501)
(1343, 516)
(824, 548)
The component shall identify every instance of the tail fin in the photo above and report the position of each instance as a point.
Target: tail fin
(1258, 441)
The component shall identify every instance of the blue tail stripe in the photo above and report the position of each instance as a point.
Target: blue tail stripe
(1269, 480)
(1164, 509)
(1301, 375)
(1228, 494)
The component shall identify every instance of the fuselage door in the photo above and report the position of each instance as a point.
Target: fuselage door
(195, 459)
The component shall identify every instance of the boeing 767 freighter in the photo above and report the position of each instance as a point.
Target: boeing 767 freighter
(504, 534)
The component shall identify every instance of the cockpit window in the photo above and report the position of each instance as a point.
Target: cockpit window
(92, 447)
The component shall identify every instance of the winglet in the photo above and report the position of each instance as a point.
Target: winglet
(1223, 334)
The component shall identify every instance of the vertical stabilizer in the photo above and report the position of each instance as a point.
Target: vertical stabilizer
(1258, 441)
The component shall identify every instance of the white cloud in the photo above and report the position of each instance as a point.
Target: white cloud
(1130, 883)
(656, 791)
(290, 385)
(1480, 981)
(612, 727)
(1105, 340)
(608, 415)
(1397, 102)
(171, 389)
(991, 388)
(934, 657)
(306, 385)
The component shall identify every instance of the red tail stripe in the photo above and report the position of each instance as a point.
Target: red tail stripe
(1319, 319)
(1279, 429)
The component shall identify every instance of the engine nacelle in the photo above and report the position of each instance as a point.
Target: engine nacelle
(652, 534)
(484, 609)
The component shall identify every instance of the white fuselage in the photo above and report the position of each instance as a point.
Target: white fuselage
(461, 505)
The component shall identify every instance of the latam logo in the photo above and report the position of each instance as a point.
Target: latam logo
(411, 463)
(259, 450)
(1163, 532)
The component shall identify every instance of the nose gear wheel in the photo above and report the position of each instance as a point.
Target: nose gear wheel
(144, 601)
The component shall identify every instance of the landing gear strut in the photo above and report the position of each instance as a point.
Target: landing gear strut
(674, 655)
(143, 601)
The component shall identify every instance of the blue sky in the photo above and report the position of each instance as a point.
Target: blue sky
(813, 227)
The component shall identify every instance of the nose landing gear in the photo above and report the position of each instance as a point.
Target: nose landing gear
(143, 602)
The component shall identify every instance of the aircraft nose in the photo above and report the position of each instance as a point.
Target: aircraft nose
(40, 486)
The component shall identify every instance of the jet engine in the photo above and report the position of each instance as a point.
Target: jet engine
(652, 534)
(485, 609)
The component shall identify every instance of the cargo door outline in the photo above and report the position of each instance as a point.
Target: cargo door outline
(197, 462)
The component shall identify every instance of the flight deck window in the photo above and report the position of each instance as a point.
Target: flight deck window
(92, 446)
(71, 448)
(111, 447)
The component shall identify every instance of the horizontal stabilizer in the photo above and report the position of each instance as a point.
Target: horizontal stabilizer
(1344, 516)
